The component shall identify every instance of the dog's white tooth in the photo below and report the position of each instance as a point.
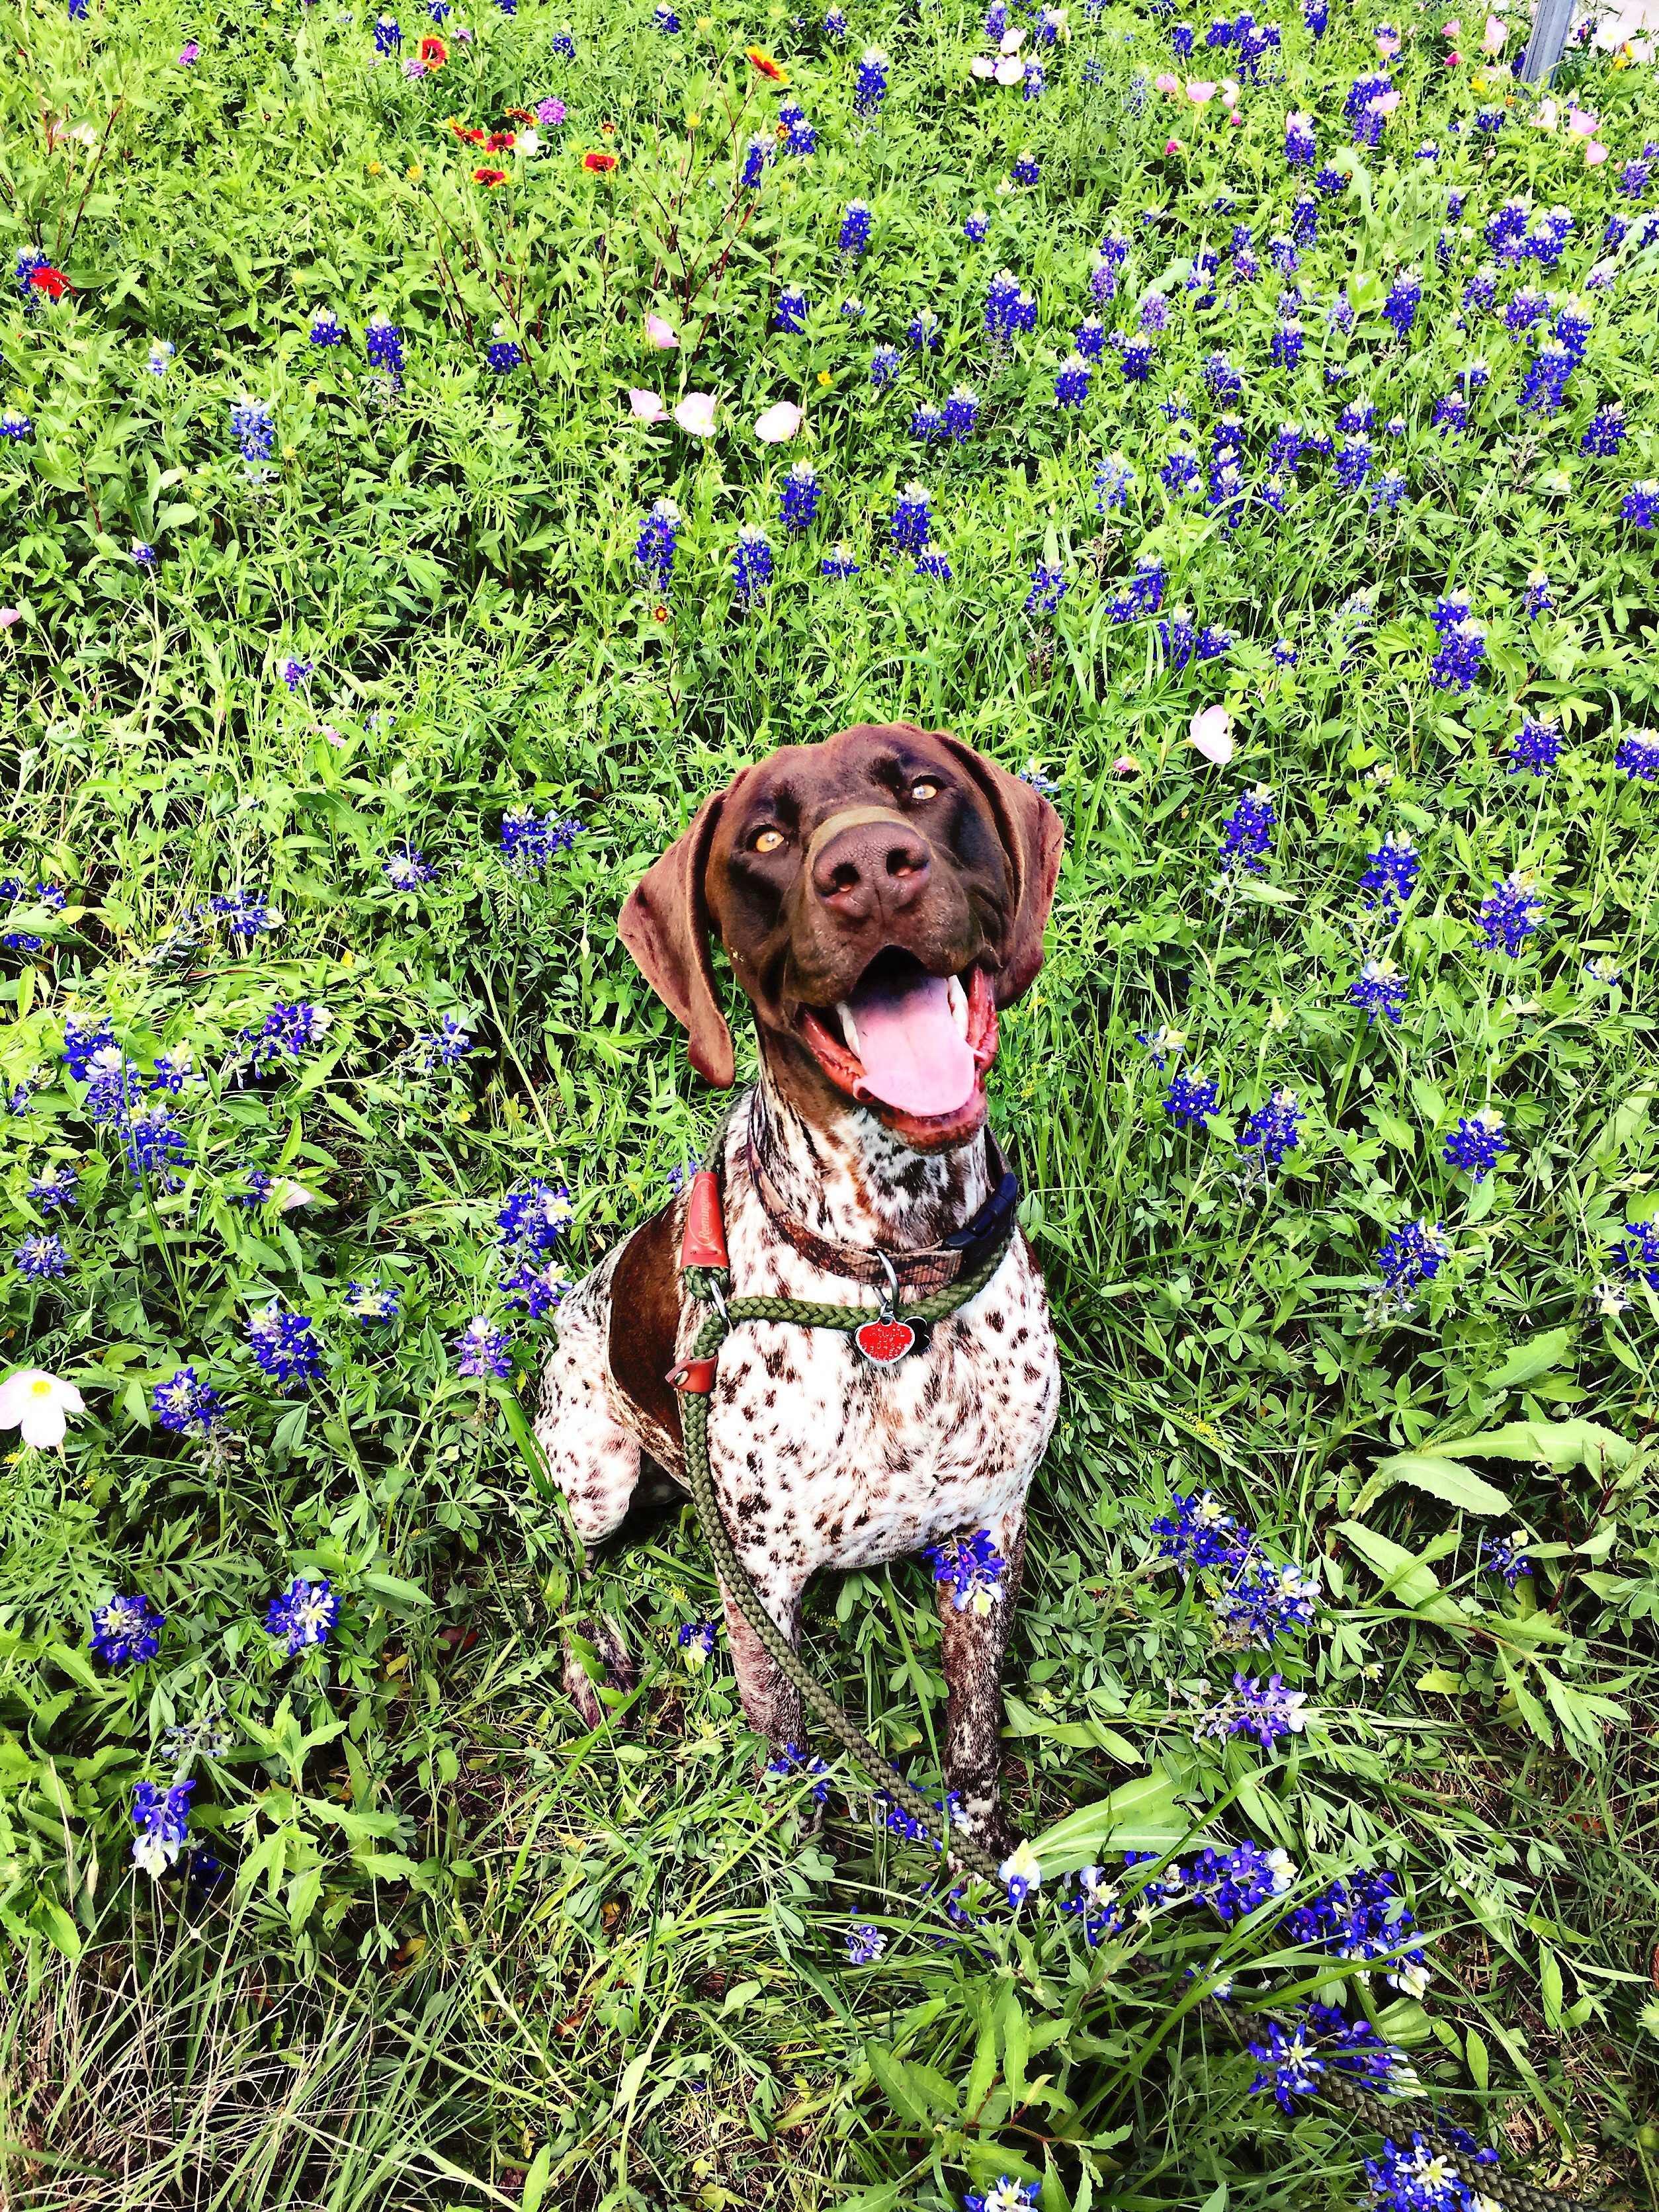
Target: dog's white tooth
(957, 998)
(849, 1028)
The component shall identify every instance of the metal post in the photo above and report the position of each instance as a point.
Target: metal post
(1549, 26)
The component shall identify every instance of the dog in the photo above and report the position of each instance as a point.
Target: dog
(880, 898)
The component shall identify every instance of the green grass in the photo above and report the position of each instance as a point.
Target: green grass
(465, 1953)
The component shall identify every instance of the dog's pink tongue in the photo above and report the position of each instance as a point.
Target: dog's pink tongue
(912, 1057)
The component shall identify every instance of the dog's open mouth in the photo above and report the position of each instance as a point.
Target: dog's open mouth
(915, 1044)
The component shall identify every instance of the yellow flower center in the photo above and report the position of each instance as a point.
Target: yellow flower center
(41, 1387)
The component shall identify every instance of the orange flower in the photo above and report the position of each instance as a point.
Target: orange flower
(600, 162)
(434, 52)
(521, 115)
(468, 136)
(499, 141)
(763, 62)
(490, 177)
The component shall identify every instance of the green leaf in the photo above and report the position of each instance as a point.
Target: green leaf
(1525, 1361)
(1405, 1575)
(400, 1596)
(535, 2182)
(910, 2087)
(1558, 1445)
(1442, 1478)
(1140, 1815)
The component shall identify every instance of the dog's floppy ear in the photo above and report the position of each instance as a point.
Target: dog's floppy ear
(665, 925)
(1033, 837)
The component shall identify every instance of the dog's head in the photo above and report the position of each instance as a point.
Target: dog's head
(879, 897)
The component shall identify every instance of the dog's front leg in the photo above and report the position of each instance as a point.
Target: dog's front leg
(771, 1702)
(974, 1647)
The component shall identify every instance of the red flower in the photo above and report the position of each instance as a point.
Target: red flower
(499, 141)
(434, 52)
(467, 137)
(600, 162)
(521, 115)
(490, 177)
(760, 60)
(52, 281)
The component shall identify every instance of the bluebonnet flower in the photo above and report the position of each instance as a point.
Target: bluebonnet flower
(695, 1641)
(1287, 2063)
(295, 674)
(152, 1143)
(1190, 1100)
(1180, 473)
(1545, 383)
(884, 364)
(290, 1028)
(502, 353)
(244, 914)
(975, 227)
(1275, 1128)
(1135, 357)
(1380, 989)
(15, 426)
(1353, 462)
(387, 35)
(1605, 432)
(838, 563)
(1008, 309)
(144, 556)
(41, 1258)
(973, 1568)
(1234, 1883)
(372, 1301)
(1071, 382)
(871, 87)
(53, 1189)
(564, 45)
(1247, 834)
(834, 24)
(1221, 378)
(913, 522)
(1090, 338)
(305, 1614)
(445, 1047)
(162, 1821)
(792, 309)
(383, 342)
(934, 563)
(1638, 756)
(325, 330)
(1640, 504)
(666, 20)
(1096, 1903)
(114, 1085)
(1527, 307)
(1507, 1556)
(1049, 587)
(1451, 415)
(50, 895)
(751, 564)
(924, 333)
(1538, 600)
(1036, 82)
(127, 1631)
(864, 1944)
(1637, 1255)
(799, 137)
(1248, 1710)
(1457, 664)
(1511, 912)
(1199, 1533)
(855, 230)
(1315, 14)
(1177, 637)
(1215, 641)
(528, 842)
(1021, 1873)
(1476, 1142)
(531, 1221)
(1405, 297)
(1633, 177)
(1390, 488)
(284, 1347)
(1262, 1603)
(655, 547)
(162, 351)
(531, 1290)
(758, 152)
(1027, 169)
(1153, 315)
(481, 1350)
(1284, 653)
(1390, 873)
(1411, 1254)
(962, 413)
(184, 1405)
(406, 870)
(801, 494)
(928, 423)
(254, 426)
(852, 308)
(791, 1757)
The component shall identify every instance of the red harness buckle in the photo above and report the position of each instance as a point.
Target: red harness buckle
(703, 1244)
(697, 1375)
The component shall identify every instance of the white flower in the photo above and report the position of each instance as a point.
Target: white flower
(529, 142)
(1283, 1869)
(1011, 71)
(1212, 735)
(38, 1405)
(154, 1856)
(1021, 1866)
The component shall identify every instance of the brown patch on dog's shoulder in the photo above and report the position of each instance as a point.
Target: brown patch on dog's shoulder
(645, 1316)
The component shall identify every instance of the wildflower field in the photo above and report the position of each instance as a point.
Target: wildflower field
(436, 450)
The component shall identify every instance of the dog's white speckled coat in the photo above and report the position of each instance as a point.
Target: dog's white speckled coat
(821, 1459)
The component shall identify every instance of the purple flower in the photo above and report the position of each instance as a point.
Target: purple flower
(305, 1614)
(1511, 912)
(1190, 1100)
(127, 1631)
(1475, 1143)
(481, 1350)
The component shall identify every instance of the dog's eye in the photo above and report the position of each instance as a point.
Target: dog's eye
(770, 841)
(925, 789)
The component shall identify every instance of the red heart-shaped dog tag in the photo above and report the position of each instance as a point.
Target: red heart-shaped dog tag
(884, 1341)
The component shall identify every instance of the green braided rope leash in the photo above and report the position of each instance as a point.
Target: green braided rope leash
(708, 1287)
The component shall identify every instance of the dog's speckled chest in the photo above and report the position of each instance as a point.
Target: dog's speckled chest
(821, 1458)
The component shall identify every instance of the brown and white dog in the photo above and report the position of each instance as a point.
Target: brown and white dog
(879, 897)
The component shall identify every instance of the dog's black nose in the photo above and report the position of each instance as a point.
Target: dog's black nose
(870, 868)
